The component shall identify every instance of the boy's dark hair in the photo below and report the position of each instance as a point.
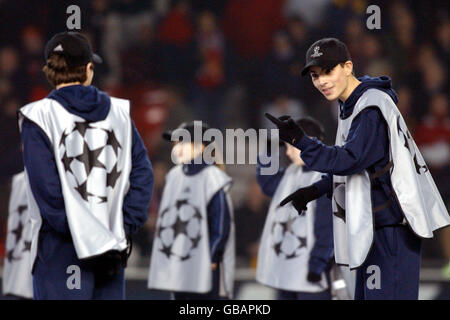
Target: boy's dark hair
(57, 71)
(312, 128)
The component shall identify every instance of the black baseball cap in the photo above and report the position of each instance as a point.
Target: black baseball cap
(190, 127)
(326, 53)
(74, 47)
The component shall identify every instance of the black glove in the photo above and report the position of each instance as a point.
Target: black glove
(301, 197)
(313, 277)
(289, 130)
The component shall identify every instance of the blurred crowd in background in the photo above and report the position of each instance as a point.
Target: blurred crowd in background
(227, 62)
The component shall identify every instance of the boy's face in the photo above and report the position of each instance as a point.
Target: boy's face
(332, 83)
(294, 155)
(184, 152)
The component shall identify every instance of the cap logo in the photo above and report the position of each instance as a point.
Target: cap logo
(58, 48)
(316, 52)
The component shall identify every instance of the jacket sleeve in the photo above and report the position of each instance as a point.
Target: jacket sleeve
(137, 200)
(39, 161)
(362, 149)
(322, 250)
(219, 224)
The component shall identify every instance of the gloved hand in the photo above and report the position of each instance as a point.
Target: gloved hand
(301, 197)
(108, 265)
(289, 130)
(313, 277)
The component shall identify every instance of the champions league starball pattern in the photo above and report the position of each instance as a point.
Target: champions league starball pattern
(339, 199)
(17, 247)
(420, 168)
(89, 155)
(288, 235)
(179, 230)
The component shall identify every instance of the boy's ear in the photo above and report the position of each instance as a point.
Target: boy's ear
(348, 68)
(89, 66)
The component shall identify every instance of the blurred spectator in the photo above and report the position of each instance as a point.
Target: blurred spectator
(9, 71)
(121, 30)
(178, 112)
(431, 78)
(337, 12)
(175, 33)
(249, 220)
(31, 52)
(442, 35)
(96, 22)
(32, 48)
(209, 75)
(5, 88)
(401, 42)
(282, 68)
(149, 113)
(154, 110)
(298, 34)
(140, 62)
(433, 133)
(374, 57)
(313, 15)
(301, 38)
(97, 19)
(217, 6)
(210, 51)
(404, 106)
(435, 77)
(249, 25)
(354, 34)
(176, 28)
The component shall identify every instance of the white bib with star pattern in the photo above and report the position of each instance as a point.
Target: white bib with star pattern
(94, 163)
(17, 278)
(180, 258)
(413, 187)
(287, 238)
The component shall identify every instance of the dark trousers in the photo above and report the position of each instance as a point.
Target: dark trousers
(53, 287)
(395, 259)
(55, 270)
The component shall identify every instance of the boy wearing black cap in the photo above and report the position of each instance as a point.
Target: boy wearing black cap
(193, 251)
(90, 179)
(384, 198)
(295, 251)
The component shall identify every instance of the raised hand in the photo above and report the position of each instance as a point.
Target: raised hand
(289, 130)
(301, 197)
